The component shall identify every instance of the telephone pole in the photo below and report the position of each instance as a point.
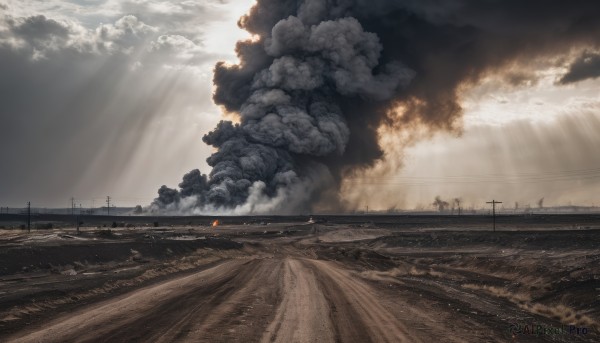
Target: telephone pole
(29, 216)
(73, 210)
(78, 220)
(494, 202)
(108, 205)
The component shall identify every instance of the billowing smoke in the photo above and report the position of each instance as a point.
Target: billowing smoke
(320, 77)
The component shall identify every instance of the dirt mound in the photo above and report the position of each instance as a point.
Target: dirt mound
(580, 239)
(28, 258)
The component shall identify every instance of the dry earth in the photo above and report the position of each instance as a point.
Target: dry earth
(301, 282)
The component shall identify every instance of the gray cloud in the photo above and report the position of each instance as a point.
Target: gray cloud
(127, 32)
(38, 28)
(586, 66)
(38, 36)
(181, 18)
(79, 103)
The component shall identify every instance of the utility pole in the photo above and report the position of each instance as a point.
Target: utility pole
(73, 210)
(29, 216)
(108, 205)
(78, 218)
(494, 202)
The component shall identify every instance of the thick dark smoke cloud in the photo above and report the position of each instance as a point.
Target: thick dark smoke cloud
(321, 76)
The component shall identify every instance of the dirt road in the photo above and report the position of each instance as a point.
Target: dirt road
(264, 299)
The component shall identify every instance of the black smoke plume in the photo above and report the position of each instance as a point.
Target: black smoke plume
(320, 77)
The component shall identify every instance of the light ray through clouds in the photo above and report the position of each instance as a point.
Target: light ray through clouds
(520, 142)
(518, 161)
(107, 97)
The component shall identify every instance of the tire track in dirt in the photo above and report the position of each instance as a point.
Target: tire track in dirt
(359, 314)
(179, 316)
(178, 310)
(323, 303)
(303, 314)
(243, 313)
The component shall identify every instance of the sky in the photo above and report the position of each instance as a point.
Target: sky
(517, 144)
(107, 97)
(113, 97)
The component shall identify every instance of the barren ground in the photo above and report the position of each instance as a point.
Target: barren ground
(354, 279)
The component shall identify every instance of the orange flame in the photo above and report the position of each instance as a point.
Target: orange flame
(216, 223)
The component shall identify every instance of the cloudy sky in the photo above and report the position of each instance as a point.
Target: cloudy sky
(112, 97)
(519, 144)
(107, 97)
